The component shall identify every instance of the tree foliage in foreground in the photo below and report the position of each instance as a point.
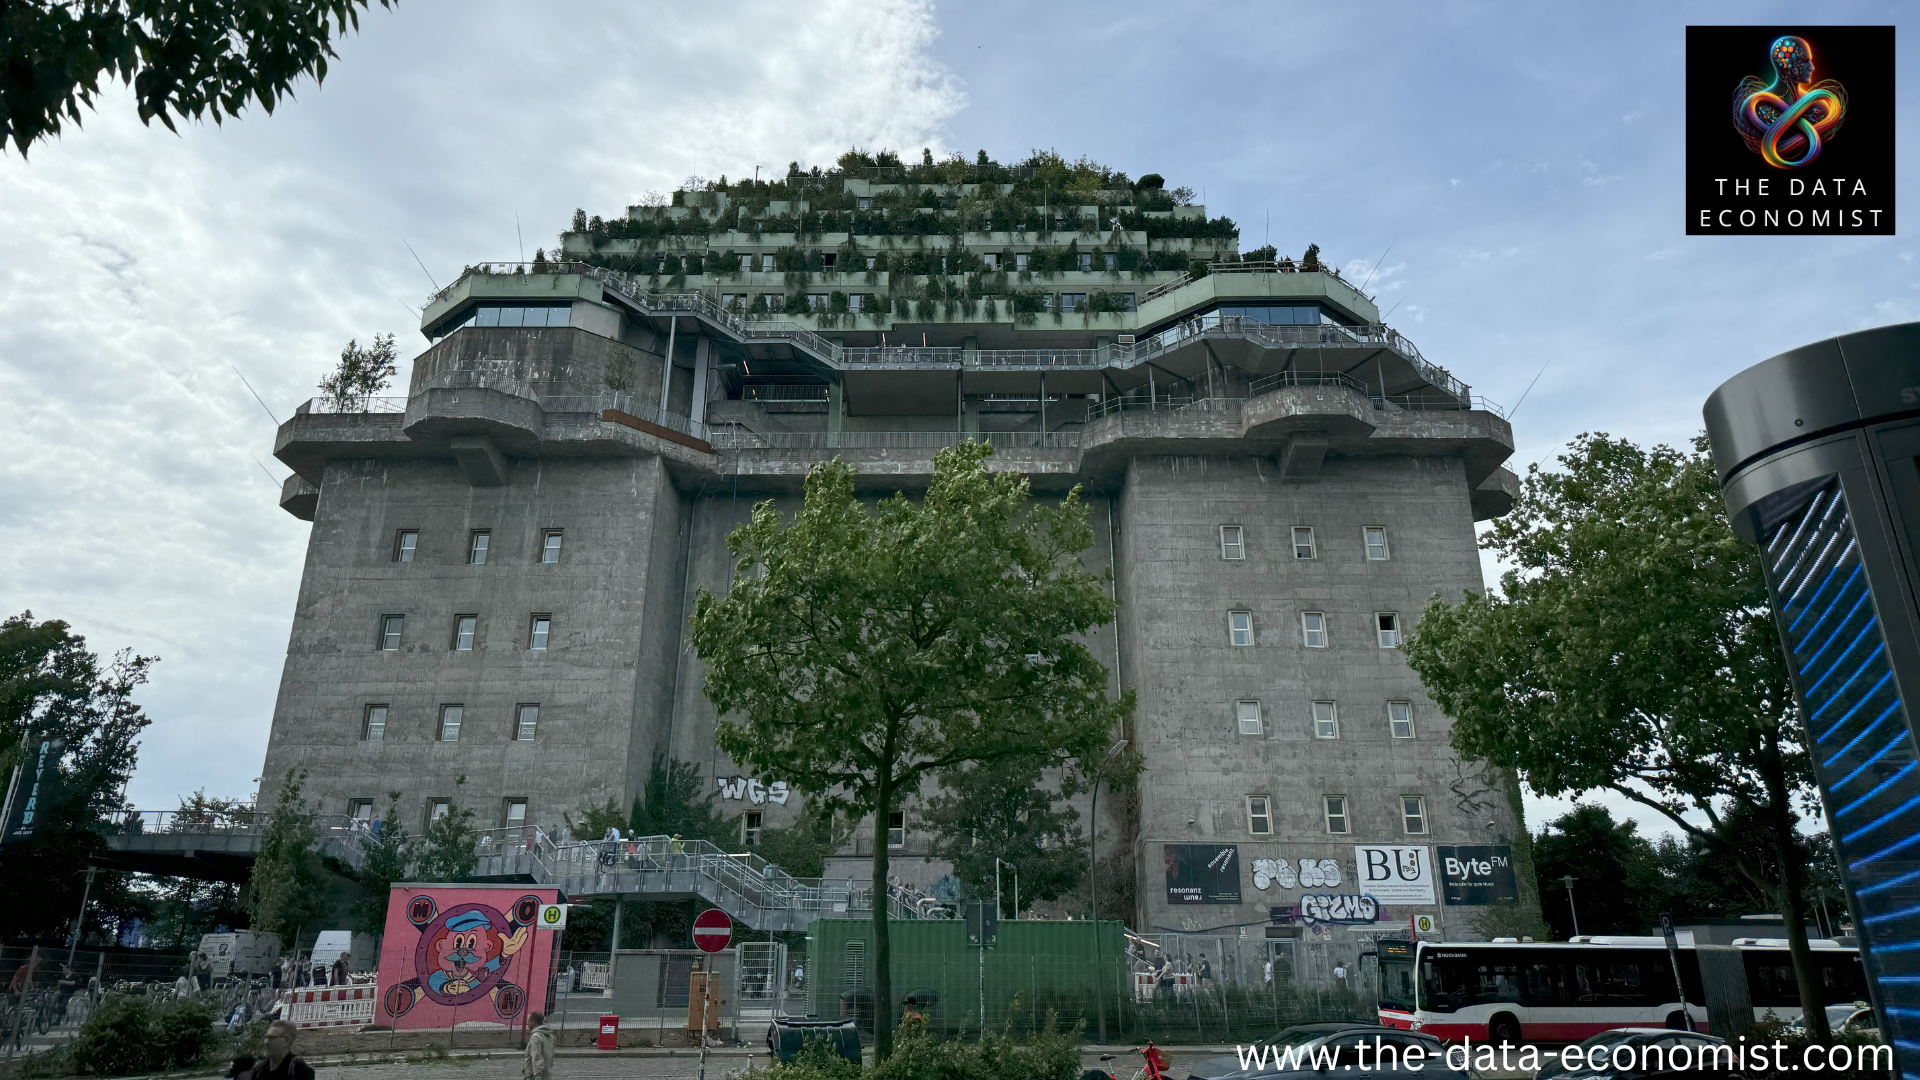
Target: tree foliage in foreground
(862, 650)
(1005, 811)
(52, 685)
(289, 893)
(206, 58)
(1631, 648)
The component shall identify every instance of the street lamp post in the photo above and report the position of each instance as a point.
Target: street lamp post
(1093, 889)
(1568, 882)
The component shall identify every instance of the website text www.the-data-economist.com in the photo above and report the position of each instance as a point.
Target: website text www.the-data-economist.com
(1738, 1056)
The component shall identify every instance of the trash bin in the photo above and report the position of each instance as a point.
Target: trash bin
(786, 1035)
(609, 1033)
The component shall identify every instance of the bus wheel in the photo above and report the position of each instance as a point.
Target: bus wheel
(1503, 1030)
(1676, 1021)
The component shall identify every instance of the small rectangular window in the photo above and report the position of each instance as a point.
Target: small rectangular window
(1387, 626)
(854, 301)
(1259, 818)
(1020, 261)
(897, 829)
(750, 828)
(437, 809)
(373, 727)
(1248, 713)
(1326, 720)
(450, 722)
(1376, 543)
(1413, 814)
(1240, 627)
(390, 628)
(405, 543)
(1113, 262)
(527, 718)
(1303, 542)
(542, 628)
(1336, 810)
(1232, 545)
(477, 548)
(516, 813)
(817, 301)
(992, 259)
(360, 810)
(464, 627)
(550, 546)
(1400, 719)
(827, 261)
(1313, 628)
(1072, 301)
(1086, 263)
(865, 202)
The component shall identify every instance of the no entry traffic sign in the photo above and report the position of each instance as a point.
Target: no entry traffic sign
(712, 930)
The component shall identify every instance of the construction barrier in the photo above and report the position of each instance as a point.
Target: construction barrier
(332, 1006)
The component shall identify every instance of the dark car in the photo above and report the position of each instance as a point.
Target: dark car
(1644, 1054)
(1348, 1051)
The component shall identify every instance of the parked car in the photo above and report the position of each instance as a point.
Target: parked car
(1642, 1054)
(1853, 1017)
(1350, 1051)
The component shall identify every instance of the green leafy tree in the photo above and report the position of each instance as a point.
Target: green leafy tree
(449, 849)
(1618, 885)
(207, 58)
(1631, 648)
(674, 803)
(52, 685)
(361, 374)
(289, 886)
(388, 855)
(862, 650)
(1004, 811)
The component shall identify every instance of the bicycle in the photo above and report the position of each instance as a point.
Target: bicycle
(1153, 1068)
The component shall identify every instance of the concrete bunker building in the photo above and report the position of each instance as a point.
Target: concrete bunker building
(503, 561)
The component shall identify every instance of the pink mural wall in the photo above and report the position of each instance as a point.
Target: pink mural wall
(464, 955)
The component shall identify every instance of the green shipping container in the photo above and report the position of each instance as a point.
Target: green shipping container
(1033, 968)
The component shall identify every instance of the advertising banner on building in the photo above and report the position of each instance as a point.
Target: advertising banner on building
(1393, 874)
(1479, 875)
(464, 956)
(33, 789)
(1203, 873)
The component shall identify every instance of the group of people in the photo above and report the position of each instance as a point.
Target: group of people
(291, 973)
(1167, 969)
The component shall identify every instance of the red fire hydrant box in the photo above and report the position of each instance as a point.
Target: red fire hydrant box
(609, 1033)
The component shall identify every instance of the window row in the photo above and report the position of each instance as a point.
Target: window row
(375, 719)
(1313, 629)
(466, 630)
(406, 545)
(1325, 718)
(769, 262)
(1373, 541)
(1336, 814)
(513, 812)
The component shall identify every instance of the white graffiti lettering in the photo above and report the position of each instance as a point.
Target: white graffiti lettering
(1268, 872)
(1320, 874)
(1340, 908)
(754, 790)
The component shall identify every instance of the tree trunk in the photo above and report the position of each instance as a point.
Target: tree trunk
(882, 949)
(1813, 1012)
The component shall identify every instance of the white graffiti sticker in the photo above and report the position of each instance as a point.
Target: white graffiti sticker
(1341, 908)
(753, 790)
(1324, 874)
(1269, 872)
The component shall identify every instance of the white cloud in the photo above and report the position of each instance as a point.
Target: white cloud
(137, 269)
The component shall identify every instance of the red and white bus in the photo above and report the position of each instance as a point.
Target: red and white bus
(1515, 991)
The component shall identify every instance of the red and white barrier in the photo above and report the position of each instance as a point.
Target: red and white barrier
(331, 1006)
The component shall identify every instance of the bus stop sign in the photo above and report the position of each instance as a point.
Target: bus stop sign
(712, 930)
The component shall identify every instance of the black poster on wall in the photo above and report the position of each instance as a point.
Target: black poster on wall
(1203, 873)
(1478, 875)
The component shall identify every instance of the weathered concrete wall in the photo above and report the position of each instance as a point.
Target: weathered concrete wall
(601, 685)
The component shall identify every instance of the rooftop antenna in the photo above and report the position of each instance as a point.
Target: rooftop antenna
(256, 397)
(1390, 310)
(517, 238)
(423, 266)
(264, 469)
(1266, 230)
(1529, 390)
(1383, 259)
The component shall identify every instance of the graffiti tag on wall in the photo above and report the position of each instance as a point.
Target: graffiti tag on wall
(1313, 874)
(751, 789)
(1340, 908)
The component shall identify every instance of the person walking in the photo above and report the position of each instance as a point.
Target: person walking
(1205, 973)
(201, 969)
(538, 1064)
(280, 1064)
(339, 970)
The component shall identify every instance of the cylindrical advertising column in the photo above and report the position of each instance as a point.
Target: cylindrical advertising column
(1818, 454)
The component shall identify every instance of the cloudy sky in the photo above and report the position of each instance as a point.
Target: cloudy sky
(1518, 165)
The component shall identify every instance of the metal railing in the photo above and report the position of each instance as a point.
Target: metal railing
(743, 439)
(353, 406)
(222, 821)
(1286, 379)
(784, 391)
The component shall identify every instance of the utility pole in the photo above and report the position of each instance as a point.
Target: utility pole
(80, 923)
(1568, 882)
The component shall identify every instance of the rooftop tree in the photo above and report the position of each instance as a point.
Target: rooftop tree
(862, 649)
(1631, 649)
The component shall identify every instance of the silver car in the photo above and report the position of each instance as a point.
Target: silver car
(1334, 1052)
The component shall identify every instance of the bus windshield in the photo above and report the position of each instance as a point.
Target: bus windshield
(1396, 983)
